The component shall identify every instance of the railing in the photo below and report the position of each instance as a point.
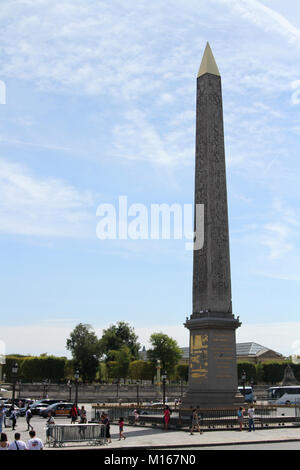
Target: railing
(210, 419)
(59, 434)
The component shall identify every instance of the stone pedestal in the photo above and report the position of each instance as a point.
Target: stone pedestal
(212, 364)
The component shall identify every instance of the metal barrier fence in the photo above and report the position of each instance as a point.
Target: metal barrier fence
(59, 434)
(210, 419)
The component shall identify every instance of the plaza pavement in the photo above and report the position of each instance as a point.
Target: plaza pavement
(147, 437)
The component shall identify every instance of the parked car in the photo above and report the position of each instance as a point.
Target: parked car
(39, 405)
(58, 409)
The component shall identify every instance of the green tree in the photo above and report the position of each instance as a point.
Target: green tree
(122, 359)
(182, 372)
(116, 336)
(250, 370)
(86, 351)
(142, 370)
(166, 350)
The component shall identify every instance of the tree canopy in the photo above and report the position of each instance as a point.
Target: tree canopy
(117, 336)
(166, 350)
(85, 349)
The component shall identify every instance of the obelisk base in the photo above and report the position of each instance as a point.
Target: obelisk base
(212, 365)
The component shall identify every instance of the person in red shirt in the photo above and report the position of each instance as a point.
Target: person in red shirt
(121, 428)
(74, 414)
(167, 415)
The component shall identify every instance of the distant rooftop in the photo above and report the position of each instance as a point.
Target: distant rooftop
(242, 349)
(250, 349)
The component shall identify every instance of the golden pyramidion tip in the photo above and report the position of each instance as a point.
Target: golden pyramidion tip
(208, 63)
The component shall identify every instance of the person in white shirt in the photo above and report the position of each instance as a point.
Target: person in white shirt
(17, 444)
(49, 423)
(34, 442)
(251, 418)
(28, 415)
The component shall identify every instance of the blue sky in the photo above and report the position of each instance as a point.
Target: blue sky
(100, 102)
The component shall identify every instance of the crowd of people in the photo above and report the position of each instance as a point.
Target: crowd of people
(33, 443)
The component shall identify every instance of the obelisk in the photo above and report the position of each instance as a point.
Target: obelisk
(212, 363)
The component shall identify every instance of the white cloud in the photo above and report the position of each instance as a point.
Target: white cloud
(139, 139)
(43, 207)
(264, 17)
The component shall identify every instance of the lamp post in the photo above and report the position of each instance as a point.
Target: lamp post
(69, 385)
(45, 383)
(76, 375)
(164, 376)
(14, 374)
(158, 367)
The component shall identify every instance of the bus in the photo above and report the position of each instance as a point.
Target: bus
(284, 395)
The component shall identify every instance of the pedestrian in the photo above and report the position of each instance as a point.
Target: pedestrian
(74, 414)
(17, 444)
(4, 445)
(34, 443)
(82, 414)
(121, 428)
(251, 418)
(195, 422)
(106, 422)
(49, 423)
(13, 417)
(1, 417)
(136, 417)
(167, 416)
(28, 415)
(240, 417)
(5, 416)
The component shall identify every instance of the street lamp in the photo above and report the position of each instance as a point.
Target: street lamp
(158, 367)
(14, 377)
(45, 388)
(76, 375)
(164, 376)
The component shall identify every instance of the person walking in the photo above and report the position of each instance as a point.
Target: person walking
(4, 444)
(28, 415)
(195, 421)
(106, 422)
(5, 416)
(82, 414)
(17, 444)
(1, 418)
(34, 443)
(240, 417)
(13, 417)
(136, 417)
(251, 418)
(167, 416)
(74, 414)
(49, 423)
(121, 428)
